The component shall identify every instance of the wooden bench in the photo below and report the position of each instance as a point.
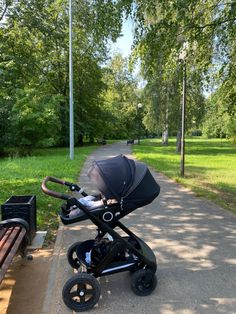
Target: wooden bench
(101, 141)
(130, 141)
(13, 239)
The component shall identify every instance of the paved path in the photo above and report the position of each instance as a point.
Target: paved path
(194, 242)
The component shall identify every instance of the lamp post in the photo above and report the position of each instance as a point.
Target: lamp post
(71, 126)
(182, 57)
(139, 107)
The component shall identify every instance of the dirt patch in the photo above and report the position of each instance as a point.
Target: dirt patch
(24, 286)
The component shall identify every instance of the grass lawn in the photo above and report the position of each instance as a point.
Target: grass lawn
(23, 176)
(210, 166)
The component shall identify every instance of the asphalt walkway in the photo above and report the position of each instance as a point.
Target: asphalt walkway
(194, 241)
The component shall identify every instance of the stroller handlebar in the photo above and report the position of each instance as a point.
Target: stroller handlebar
(54, 193)
(72, 186)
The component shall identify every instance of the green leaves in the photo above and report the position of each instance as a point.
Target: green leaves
(161, 29)
(35, 119)
(34, 65)
(120, 100)
(34, 68)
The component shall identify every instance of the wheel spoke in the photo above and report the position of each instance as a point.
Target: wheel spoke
(82, 298)
(80, 286)
(89, 291)
(74, 294)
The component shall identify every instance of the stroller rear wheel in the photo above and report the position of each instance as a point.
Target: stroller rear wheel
(72, 256)
(81, 292)
(143, 282)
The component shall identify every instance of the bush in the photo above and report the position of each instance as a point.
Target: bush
(196, 133)
(35, 120)
(215, 126)
(232, 129)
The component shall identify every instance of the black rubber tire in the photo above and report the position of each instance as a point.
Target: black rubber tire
(72, 257)
(135, 268)
(86, 294)
(138, 284)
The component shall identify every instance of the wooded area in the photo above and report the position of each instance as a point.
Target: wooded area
(34, 62)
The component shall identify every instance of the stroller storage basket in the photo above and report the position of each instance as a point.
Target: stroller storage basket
(83, 252)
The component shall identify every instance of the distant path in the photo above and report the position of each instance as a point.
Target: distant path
(106, 151)
(193, 239)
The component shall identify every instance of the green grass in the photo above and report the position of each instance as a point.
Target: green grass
(210, 166)
(23, 176)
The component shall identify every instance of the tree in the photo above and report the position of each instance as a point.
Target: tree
(218, 122)
(35, 120)
(34, 45)
(161, 29)
(120, 99)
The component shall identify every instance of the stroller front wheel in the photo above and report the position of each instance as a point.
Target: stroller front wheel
(72, 256)
(81, 292)
(143, 282)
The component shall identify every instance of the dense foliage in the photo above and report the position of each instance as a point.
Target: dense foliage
(120, 100)
(207, 30)
(34, 70)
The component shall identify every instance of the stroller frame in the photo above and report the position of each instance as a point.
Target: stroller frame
(141, 261)
(119, 244)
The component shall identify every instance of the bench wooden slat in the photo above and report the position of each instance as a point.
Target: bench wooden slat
(5, 236)
(2, 232)
(16, 243)
(8, 241)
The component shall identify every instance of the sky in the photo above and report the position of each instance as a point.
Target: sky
(125, 42)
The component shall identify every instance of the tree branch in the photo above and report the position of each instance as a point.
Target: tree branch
(213, 24)
(4, 12)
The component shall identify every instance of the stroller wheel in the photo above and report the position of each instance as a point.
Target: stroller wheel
(143, 282)
(72, 256)
(81, 292)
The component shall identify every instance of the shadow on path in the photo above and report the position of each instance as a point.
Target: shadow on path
(194, 242)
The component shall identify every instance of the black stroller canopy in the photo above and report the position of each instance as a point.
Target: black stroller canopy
(129, 182)
(113, 176)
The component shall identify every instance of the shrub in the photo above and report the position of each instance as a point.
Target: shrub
(35, 120)
(196, 133)
(232, 129)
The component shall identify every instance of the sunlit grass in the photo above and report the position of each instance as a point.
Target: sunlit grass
(23, 176)
(210, 166)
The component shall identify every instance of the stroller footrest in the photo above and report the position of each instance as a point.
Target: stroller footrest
(80, 216)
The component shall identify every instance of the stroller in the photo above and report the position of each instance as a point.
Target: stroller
(124, 186)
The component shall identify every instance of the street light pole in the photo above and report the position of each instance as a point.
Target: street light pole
(183, 120)
(71, 84)
(183, 57)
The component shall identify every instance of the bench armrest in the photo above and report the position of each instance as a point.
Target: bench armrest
(15, 221)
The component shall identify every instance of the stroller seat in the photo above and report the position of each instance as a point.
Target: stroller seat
(94, 203)
(91, 202)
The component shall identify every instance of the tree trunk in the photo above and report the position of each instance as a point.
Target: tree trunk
(165, 137)
(64, 134)
(179, 133)
(165, 133)
(80, 140)
(178, 142)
